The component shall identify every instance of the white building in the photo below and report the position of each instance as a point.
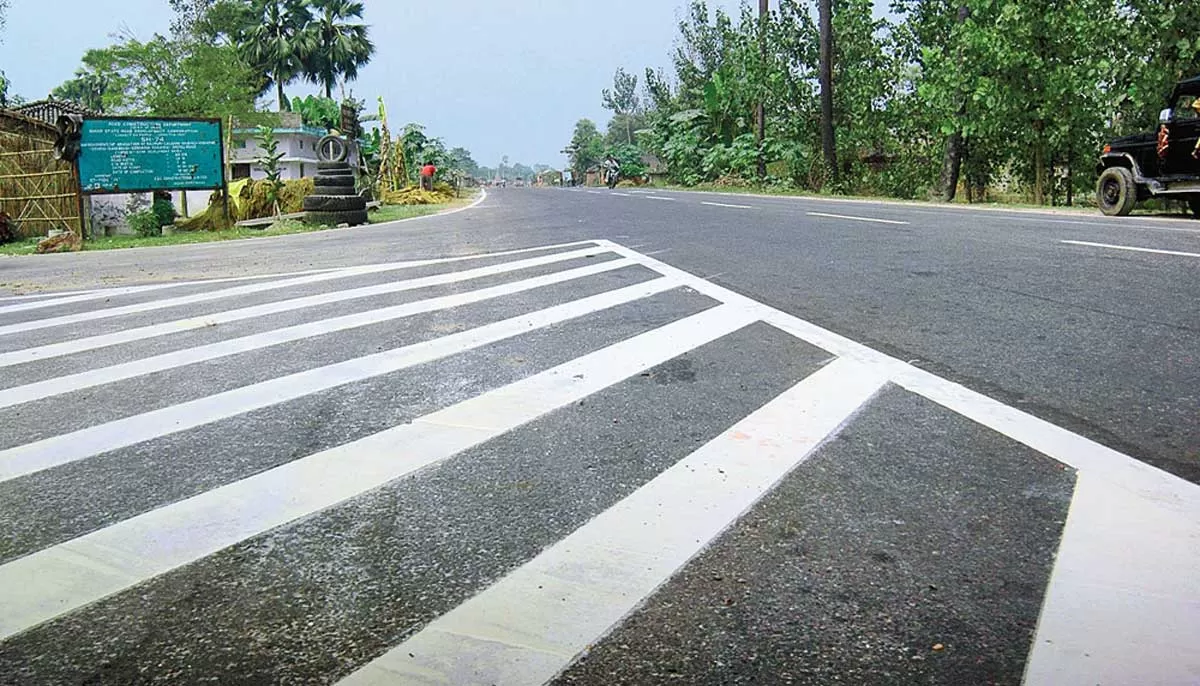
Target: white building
(297, 142)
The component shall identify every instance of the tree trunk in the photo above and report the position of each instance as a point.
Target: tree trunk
(761, 122)
(952, 166)
(279, 91)
(828, 139)
(629, 128)
(1039, 175)
(1070, 177)
(952, 162)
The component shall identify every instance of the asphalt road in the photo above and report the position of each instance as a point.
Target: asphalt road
(673, 437)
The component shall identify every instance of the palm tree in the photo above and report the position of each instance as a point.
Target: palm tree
(340, 46)
(281, 43)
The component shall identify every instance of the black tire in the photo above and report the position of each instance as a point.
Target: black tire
(1116, 192)
(334, 203)
(340, 189)
(353, 218)
(1194, 205)
(332, 149)
(332, 166)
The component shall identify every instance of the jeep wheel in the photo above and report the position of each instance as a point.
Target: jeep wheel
(1116, 193)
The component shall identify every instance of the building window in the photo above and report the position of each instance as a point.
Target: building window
(302, 170)
(241, 171)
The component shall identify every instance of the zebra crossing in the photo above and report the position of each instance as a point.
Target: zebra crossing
(495, 468)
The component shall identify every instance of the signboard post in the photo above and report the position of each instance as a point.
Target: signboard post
(133, 155)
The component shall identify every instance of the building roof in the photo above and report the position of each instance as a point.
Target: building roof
(50, 110)
(284, 130)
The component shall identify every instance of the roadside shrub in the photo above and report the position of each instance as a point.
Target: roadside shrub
(164, 212)
(8, 228)
(145, 223)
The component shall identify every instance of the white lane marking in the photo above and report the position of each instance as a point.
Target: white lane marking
(119, 372)
(621, 195)
(254, 288)
(70, 575)
(658, 252)
(723, 204)
(33, 296)
(643, 192)
(95, 440)
(1142, 561)
(1132, 248)
(68, 299)
(659, 197)
(91, 343)
(857, 219)
(596, 193)
(532, 623)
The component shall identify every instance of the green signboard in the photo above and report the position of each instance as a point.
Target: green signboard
(138, 155)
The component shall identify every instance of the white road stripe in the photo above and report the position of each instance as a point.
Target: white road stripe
(595, 192)
(68, 576)
(722, 204)
(659, 197)
(622, 195)
(1132, 248)
(70, 298)
(251, 289)
(857, 219)
(96, 377)
(532, 623)
(78, 445)
(1135, 522)
(92, 343)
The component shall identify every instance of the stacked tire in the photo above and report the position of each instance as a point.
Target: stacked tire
(334, 201)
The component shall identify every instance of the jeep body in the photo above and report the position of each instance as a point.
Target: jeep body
(1165, 163)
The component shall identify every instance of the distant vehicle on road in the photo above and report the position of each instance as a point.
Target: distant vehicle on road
(1165, 163)
(519, 183)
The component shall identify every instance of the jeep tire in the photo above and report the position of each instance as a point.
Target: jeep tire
(1116, 192)
(353, 218)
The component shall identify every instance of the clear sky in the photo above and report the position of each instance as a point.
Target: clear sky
(498, 77)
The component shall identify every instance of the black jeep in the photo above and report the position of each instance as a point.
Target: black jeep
(1166, 163)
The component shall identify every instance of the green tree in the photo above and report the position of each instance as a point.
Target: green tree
(280, 44)
(622, 100)
(586, 148)
(324, 113)
(173, 78)
(461, 160)
(269, 161)
(340, 46)
(89, 88)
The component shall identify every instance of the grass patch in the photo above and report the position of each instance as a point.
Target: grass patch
(387, 213)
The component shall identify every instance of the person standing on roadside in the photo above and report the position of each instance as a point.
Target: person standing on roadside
(427, 172)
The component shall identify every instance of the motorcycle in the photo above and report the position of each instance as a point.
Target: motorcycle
(611, 177)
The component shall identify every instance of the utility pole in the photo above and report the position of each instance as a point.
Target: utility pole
(761, 123)
(828, 141)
